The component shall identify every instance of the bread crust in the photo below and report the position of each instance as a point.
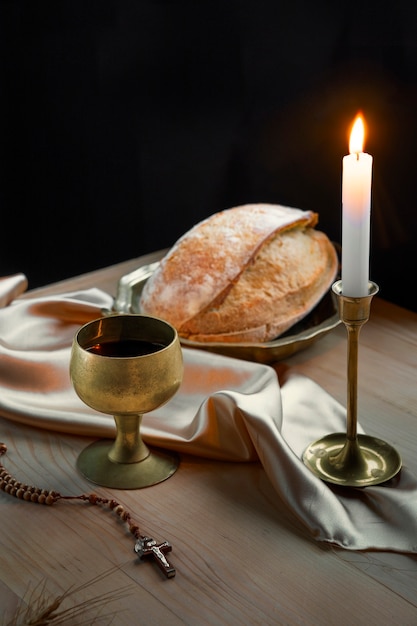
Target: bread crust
(245, 274)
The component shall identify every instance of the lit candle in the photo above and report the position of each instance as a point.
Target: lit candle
(356, 205)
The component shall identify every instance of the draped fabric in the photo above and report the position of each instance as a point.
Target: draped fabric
(226, 409)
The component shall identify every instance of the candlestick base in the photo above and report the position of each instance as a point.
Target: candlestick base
(361, 462)
(350, 459)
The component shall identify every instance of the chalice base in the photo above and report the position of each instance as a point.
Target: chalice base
(360, 463)
(94, 463)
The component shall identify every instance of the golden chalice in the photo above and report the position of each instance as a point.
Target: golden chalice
(125, 366)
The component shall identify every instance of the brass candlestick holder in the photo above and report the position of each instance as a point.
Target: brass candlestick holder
(125, 366)
(352, 459)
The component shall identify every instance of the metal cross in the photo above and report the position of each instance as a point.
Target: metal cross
(146, 546)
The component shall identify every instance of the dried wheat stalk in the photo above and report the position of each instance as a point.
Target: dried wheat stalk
(38, 608)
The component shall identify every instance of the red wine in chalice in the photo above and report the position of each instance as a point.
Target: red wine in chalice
(125, 348)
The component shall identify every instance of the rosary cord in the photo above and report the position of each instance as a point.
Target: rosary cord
(20, 490)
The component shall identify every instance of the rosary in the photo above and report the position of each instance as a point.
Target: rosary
(144, 546)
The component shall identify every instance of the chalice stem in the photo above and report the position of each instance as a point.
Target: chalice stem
(128, 446)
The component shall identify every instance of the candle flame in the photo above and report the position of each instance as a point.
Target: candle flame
(357, 135)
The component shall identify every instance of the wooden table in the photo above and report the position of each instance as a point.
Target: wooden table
(240, 557)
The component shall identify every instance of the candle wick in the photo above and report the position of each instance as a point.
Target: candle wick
(357, 156)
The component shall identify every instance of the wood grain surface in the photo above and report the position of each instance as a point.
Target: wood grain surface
(241, 556)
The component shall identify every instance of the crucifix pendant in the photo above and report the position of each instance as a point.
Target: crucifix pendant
(146, 547)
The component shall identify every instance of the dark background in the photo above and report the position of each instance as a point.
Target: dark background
(125, 122)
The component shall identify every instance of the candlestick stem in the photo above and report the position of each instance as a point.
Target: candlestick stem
(354, 313)
(347, 458)
(352, 371)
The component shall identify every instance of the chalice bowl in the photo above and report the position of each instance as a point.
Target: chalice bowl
(125, 366)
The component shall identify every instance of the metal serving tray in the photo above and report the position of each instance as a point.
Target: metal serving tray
(322, 319)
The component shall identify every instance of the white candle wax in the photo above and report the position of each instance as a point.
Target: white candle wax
(356, 204)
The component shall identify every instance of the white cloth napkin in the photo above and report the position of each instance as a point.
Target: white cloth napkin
(11, 287)
(225, 409)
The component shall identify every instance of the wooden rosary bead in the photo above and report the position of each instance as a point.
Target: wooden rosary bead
(134, 529)
(119, 510)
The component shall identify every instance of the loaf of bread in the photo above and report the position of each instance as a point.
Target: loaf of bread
(245, 274)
